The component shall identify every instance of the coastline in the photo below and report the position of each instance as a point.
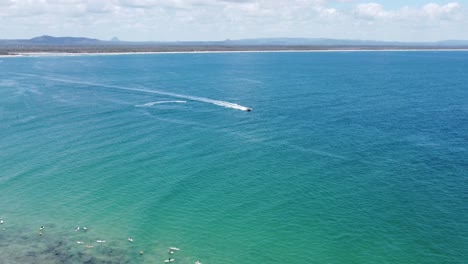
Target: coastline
(65, 54)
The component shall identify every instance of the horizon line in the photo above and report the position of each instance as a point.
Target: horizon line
(117, 39)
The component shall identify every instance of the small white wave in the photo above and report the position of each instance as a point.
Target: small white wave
(160, 102)
(8, 83)
(26, 119)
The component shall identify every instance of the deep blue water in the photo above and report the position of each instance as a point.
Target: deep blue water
(347, 157)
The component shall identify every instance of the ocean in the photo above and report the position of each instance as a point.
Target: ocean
(346, 157)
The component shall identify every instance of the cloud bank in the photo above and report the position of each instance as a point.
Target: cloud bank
(222, 19)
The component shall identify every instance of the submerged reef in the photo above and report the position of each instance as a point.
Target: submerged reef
(28, 246)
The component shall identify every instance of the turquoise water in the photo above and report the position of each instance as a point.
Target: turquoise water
(347, 157)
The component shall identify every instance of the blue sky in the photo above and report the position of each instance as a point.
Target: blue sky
(169, 20)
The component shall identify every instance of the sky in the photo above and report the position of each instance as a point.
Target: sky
(195, 20)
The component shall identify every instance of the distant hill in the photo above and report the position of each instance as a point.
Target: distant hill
(339, 42)
(453, 42)
(302, 41)
(49, 40)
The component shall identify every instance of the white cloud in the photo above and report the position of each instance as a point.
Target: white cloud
(448, 11)
(221, 19)
(328, 12)
(371, 11)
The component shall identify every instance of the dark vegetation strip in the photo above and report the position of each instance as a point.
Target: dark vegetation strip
(12, 50)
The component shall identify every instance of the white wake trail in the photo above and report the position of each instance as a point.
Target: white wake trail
(160, 102)
(187, 97)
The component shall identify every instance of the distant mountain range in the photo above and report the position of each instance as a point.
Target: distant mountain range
(341, 42)
(79, 41)
(51, 41)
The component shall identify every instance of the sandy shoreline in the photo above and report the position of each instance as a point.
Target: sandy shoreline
(63, 54)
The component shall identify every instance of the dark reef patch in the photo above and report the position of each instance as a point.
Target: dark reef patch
(20, 247)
